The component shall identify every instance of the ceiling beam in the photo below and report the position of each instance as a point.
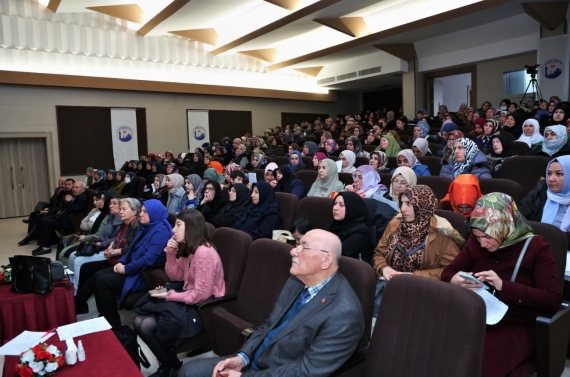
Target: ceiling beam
(267, 54)
(208, 36)
(162, 16)
(322, 4)
(310, 71)
(371, 38)
(129, 12)
(53, 5)
(353, 26)
(549, 15)
(404, 51)
(287, 4)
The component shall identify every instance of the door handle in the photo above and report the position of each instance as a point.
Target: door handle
(22, 175)
(12, 176)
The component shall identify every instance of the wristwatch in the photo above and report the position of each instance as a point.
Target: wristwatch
(112, 252)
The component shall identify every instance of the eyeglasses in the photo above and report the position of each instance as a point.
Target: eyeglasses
(305, 247)
(397, 182)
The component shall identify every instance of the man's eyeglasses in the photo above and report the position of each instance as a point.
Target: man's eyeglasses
(303, 247)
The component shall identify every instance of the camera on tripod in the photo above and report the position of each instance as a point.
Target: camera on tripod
(532, 70)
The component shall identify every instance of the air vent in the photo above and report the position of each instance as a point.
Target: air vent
(346, 76)
(326, 81)
(370, 71)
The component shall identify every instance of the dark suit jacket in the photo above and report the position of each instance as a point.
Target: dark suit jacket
(77, 205)
(318, 340)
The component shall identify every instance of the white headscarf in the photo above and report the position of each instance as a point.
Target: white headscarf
(422, 145)
(350, 159)
(535, 137)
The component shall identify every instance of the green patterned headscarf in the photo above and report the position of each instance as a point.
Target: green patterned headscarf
(393, 146)
(496, 215)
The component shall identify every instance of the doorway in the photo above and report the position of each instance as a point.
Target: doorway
(451, 91)
(24, 175)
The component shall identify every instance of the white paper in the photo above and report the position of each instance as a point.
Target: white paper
(252, 178)
(77, 329)
(23, 342)
(69, 272)
(496, 309)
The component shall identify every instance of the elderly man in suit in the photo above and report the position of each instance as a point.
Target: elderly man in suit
(314, 328)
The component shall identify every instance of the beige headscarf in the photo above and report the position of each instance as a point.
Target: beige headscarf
(324, 187)
(408, 175)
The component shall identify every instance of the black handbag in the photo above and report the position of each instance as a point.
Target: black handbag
(87, 249)
(31, 274)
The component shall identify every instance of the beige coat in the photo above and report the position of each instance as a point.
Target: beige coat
(442, 246)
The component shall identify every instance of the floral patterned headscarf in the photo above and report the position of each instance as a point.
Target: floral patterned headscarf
(497, 215)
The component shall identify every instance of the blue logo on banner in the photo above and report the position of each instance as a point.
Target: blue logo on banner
(553, 68)
(125, 134)
(199, 133)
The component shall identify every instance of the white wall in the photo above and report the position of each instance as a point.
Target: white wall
(32, 109)
(453, 91)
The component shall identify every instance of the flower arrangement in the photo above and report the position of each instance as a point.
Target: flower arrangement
(40, 360)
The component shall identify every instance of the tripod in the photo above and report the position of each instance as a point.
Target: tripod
(535, 89)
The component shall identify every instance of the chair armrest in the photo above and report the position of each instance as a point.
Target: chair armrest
(552, 334)
(214, 301)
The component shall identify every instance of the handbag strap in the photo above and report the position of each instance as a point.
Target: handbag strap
(521, 256)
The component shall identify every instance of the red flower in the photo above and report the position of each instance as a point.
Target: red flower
(60, 361)
(18, 367)
(37, 349)
(26, 372)
(44, 355)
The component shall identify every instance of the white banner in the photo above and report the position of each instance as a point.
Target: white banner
(553, 57)
(124, 130)
(198, 129)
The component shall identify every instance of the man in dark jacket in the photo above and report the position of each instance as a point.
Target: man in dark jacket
(75, 202)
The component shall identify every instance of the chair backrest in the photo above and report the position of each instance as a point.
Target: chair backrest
(226, 193)
(334, 158)
(233, 248)
(392, 162)
(507, 186)
(439, 185)
(427, 327)
(457, 221)
(267, 270)
(308, 177)
(470, 136)
(522, 148)
(534, 169)
(432, 162)
(434, 148)
(183, 171)
(210, 229)
(308, 161)
(317, 210)
(281, 160)
(335, 134)
(405, 139)
(361, 161)
(288, 204)
(172, 219)
(345, 178)
(259, 173)
(369, 147)
(386, 179)
(558, 244)
(219, 159)
(90, 194)
(140, 188)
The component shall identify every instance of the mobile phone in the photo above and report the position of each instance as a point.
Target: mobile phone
(156, 291)
(474, 279)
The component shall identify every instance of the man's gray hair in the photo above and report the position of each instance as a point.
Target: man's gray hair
(81, 184)
(133, 203)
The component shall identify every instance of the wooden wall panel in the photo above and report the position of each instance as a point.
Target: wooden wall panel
(229, 123)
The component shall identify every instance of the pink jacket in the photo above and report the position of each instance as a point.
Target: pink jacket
(202, 273)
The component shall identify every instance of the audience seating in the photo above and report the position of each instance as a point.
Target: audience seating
(312, 138)
(369, 147)
(288, 204)
(75, 219)
(335, 134)
(406, 132)
(386, 179)
(345, 178)
(226, 193)
(308, 177)
(259, 173)
(457, 221)
(182, 171)
(405, 139)
(281, 160)
(526, 170)
(317, 210)
(432, 162)
(219, 159)
(308, 161)
(172, 219)
(439, 185)
(334, 158)
(435, 148)
(266, 272)
(470, 136)
(522, 148)
(511, 188)
(90, 194)
(402, 345)
(552, 329)
(141, 183)
(392, 162)
(361, 161)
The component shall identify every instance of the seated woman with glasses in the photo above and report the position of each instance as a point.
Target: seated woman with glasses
(407, 158)
(239, 202)
(402, 178)
(349, 224)
(367, 185)
(262, 217)
(467, 159)
(448, 149)
(463, 192)
(213, 201)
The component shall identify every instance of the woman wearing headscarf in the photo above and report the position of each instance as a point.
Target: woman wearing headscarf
(213, 201)
(332, 148)
(132, 185)
(448, 149)
(367, 185)
(531, 133)
(160, 189)
(257, 161)
(262, 217)
(296, 162)
(501, 149)
(478, 125)
(446, 128)
(513, 124)
(227, 153)
(463, 192)
(197, 164)
(193, 187)
(212, 175)
(324, 137)
(286, 182)
(402, 178)
(354, 144)
(275, 148)
(421, 130)
(125, 277)
(310, 148)
(416, 242)
(389, 145)
(260, 145)
(98, 183)
(490, 128)
(407, 158)
(89, 176)
(175, 185)
(555, 143)
(155, 168)
(327, 180)
(239, 202)
(560, 115)
(171, 168)
(420, 147)
(318, 157)
(119, 182)
(109, 180)
(379, 161)
(467, 159)
(348, 159)
(500, 233)
(349, 224)
(168, 158)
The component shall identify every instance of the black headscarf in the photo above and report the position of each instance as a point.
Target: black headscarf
(552, 122)
(242, 202)
(284, 184)
(517, 129)
(508, 147)
(355, 215)
(218, 202)
(255, 212)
